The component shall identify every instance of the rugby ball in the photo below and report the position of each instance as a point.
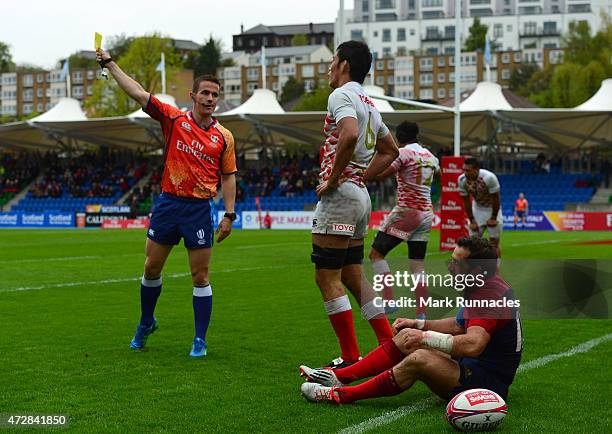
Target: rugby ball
(476, 410)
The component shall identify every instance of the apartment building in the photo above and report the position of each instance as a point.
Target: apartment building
(307, 63)
(261, 35)
(408, 27)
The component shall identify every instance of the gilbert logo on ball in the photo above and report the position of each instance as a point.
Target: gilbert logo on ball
(476, 410)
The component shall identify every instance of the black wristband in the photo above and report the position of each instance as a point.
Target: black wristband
(105, 62)
(230, 215)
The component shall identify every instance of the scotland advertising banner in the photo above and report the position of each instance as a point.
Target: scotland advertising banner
(37, 220)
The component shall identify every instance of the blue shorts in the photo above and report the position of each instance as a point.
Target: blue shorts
(520, 214)
(176, 217)
(473, 376)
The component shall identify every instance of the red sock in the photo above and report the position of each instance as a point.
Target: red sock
(421, 295)
(382, 385)
(345, 331)
(381, 358)
(382, 328)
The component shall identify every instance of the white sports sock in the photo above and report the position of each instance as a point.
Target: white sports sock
(337, 305)
(380, 267)
(151, 283)
(370, 310)
(202, 291)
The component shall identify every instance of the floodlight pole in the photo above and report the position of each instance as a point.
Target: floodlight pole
(457, 129)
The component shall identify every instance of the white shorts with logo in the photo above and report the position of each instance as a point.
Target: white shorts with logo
(408, 224)
(344, 211)
(481, 215)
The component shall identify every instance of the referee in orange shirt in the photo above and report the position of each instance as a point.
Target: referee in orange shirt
(521, 208)
(197, 153)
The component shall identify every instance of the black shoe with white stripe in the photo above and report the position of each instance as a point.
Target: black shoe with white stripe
(324, 376)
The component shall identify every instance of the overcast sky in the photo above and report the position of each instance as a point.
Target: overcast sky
(42, 32)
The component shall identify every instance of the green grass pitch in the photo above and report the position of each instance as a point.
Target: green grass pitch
(69, 304)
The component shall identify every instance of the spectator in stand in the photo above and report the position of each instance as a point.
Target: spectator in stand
(605, 173)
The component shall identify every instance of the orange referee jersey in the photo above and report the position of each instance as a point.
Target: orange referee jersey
(194, 157)
(520, 204)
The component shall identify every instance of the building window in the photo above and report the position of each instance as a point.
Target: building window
(380, 65)
(508, 27)
(431, 3)
(322, 68)
(365, 6)
(426, 79)
(426, 94)
(505, 58)
(530, 28)
(550, 27)
(28, 80)
(426, 63)
(307, 71)
(385, 4)
(441, 61)
(90, 75)
(505, 74)
(253, 74)
(401, 34)
(441, 77)
(517, 57)
(380, 80)
(390, 79)
(386, 52)
(39, 92)
(412, 32)
(386, 35)
(401, 51)
(89, 90)
(498, 30)
(39, 107)
(441, 93)
(40, 78)
(357, 35)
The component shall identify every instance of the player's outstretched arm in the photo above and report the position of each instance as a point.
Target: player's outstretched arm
(125, 82)
(386, 153)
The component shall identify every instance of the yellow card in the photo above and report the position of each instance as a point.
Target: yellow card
(98, 41)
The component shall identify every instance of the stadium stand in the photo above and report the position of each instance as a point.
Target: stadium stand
(16, 172)
(69, 184)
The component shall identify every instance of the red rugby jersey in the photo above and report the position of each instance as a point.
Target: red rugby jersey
(194, 157)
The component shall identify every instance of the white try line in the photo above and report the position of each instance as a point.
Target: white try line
(133, 279)
(392, 416)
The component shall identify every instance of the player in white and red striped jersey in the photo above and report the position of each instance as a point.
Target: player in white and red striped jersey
(411, 219)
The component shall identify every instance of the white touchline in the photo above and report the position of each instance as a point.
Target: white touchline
(392, 416)
(132, 279)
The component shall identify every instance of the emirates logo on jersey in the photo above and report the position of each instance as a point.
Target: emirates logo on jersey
(214, 139)
(186, 126)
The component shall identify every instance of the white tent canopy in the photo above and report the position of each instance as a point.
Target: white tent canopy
(602, 100)
(382, 105)
(66, 110)
(165, 98)
(263, 101)
(486, 96)
(486, 118)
